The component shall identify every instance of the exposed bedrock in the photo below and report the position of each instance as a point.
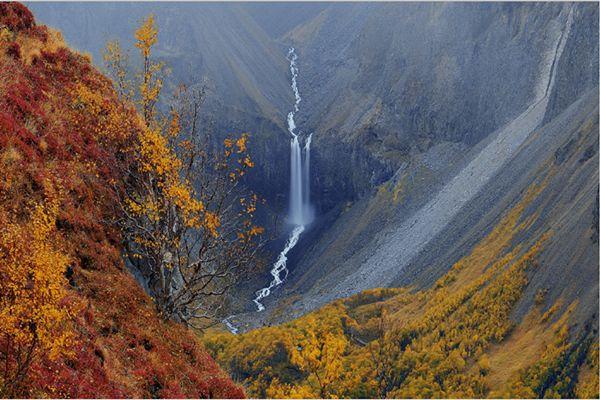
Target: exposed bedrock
(427, 119)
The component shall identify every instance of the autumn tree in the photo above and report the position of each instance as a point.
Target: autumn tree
(319, 352)
(33, 315)
(385, 352)
(187, 219)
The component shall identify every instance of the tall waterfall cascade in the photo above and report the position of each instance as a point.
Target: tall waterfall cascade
(300, 212)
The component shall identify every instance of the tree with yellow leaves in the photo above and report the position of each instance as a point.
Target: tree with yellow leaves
(319, 352)
(188, 222)
(33, 315)
(385, 352)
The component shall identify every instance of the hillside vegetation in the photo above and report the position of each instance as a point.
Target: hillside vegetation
(458, 338)
(73, 321)
(126, 219)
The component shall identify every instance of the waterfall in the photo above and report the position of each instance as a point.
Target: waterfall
(292, 57)
(296, 213)
(307, 212)
(232, 328)
(300, 211)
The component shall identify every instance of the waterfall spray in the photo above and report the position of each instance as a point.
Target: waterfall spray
(296, 213)
(307, 208)
(300, 212)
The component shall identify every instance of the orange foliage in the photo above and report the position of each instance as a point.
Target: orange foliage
(33, 312)
(65, 140)
(403, 343)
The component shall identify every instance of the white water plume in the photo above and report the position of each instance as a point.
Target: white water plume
(230, 326)
(292, 57)
(300, 211)
(307, 212)
(280, 267)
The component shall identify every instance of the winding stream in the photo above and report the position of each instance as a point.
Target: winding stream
(300, 210)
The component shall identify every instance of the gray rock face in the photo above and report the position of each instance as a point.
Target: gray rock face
(396, 247)
(427, 119)
(377, 243)
(578, 68)
(397, 78)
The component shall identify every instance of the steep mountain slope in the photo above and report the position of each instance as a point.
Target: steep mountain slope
(277, 19)
(372, 241)
(92, 330)
(397, 247)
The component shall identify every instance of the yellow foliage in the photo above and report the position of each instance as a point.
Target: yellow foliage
(588, 385)
(178, 195)
(434, 342)
(146, 36)
(34, 317)
(32, 46)
(151, 81)
(116, 62)
(241, 143)
(318, 351)
(111, 118)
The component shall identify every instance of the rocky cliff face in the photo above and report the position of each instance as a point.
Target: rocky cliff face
(578, 68)
(448, 125)
(400, 99)
(394, 80)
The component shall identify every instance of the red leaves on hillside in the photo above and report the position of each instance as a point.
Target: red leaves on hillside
(16, 16)
(62, 122)
(14, 50)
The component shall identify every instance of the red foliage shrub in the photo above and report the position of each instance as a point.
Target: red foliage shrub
(123, 348)
(14, 50)
(82, 376)
(16, 16)
(39, 32)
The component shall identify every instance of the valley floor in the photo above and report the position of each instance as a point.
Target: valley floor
(456, 339)
(504, 320)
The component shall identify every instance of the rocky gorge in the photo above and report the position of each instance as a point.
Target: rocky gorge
(421, 116)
